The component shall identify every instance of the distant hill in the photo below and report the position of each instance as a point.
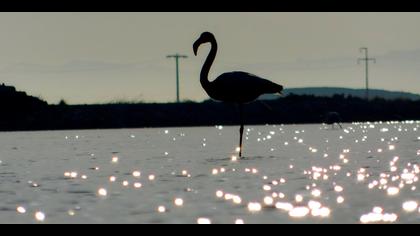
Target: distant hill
(330, 91)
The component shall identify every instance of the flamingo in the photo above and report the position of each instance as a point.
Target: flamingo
(232, 87)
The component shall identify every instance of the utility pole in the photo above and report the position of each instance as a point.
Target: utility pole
(366, 59)
(177, 56)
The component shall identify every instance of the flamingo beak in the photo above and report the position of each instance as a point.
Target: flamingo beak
(281, 92)
(195, 47)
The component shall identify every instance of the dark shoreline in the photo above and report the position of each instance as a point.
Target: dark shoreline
(292, 109)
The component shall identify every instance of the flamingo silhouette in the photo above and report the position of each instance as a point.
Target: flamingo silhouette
(233, 87)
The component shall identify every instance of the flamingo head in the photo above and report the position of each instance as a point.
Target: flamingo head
(205, 37)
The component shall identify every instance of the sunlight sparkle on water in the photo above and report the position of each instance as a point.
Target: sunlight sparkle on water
(179, 202)
(268, 201)
(161, 209)
(383, 181)
(389, 217)
(254, 207)
(360, 177)
(393, 191)
(408, 176)
(378, 210)
(102, 192)
(39, 216)
(73, 174)
(338, 188)
(267, 188)
(377, 216)
(321, 212)
(410, 206)
(184, 173)
(314, 204)
(299, 212)
(239, 222)
(203, 221)
(21, 209)
(112, 179)
(228, 196)
(237, 199)
(284, 206)
(298, 198)
(316, 193)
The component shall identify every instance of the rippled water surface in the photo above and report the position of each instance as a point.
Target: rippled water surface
(364, 173)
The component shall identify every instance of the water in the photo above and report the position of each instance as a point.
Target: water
(365, 173)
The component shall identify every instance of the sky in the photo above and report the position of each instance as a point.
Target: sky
(87, 58)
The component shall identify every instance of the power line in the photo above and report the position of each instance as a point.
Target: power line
(366, 59)
(177, 56)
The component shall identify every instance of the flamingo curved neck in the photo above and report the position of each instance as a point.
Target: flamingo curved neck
(204, 80)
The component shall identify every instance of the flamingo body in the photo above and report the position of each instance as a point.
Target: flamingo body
(240, 87)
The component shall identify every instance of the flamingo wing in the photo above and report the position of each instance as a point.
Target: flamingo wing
(240, 86)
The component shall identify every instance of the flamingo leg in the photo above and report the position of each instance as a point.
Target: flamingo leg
(241, 130)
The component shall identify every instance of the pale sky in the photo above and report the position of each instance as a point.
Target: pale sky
(101, 57)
